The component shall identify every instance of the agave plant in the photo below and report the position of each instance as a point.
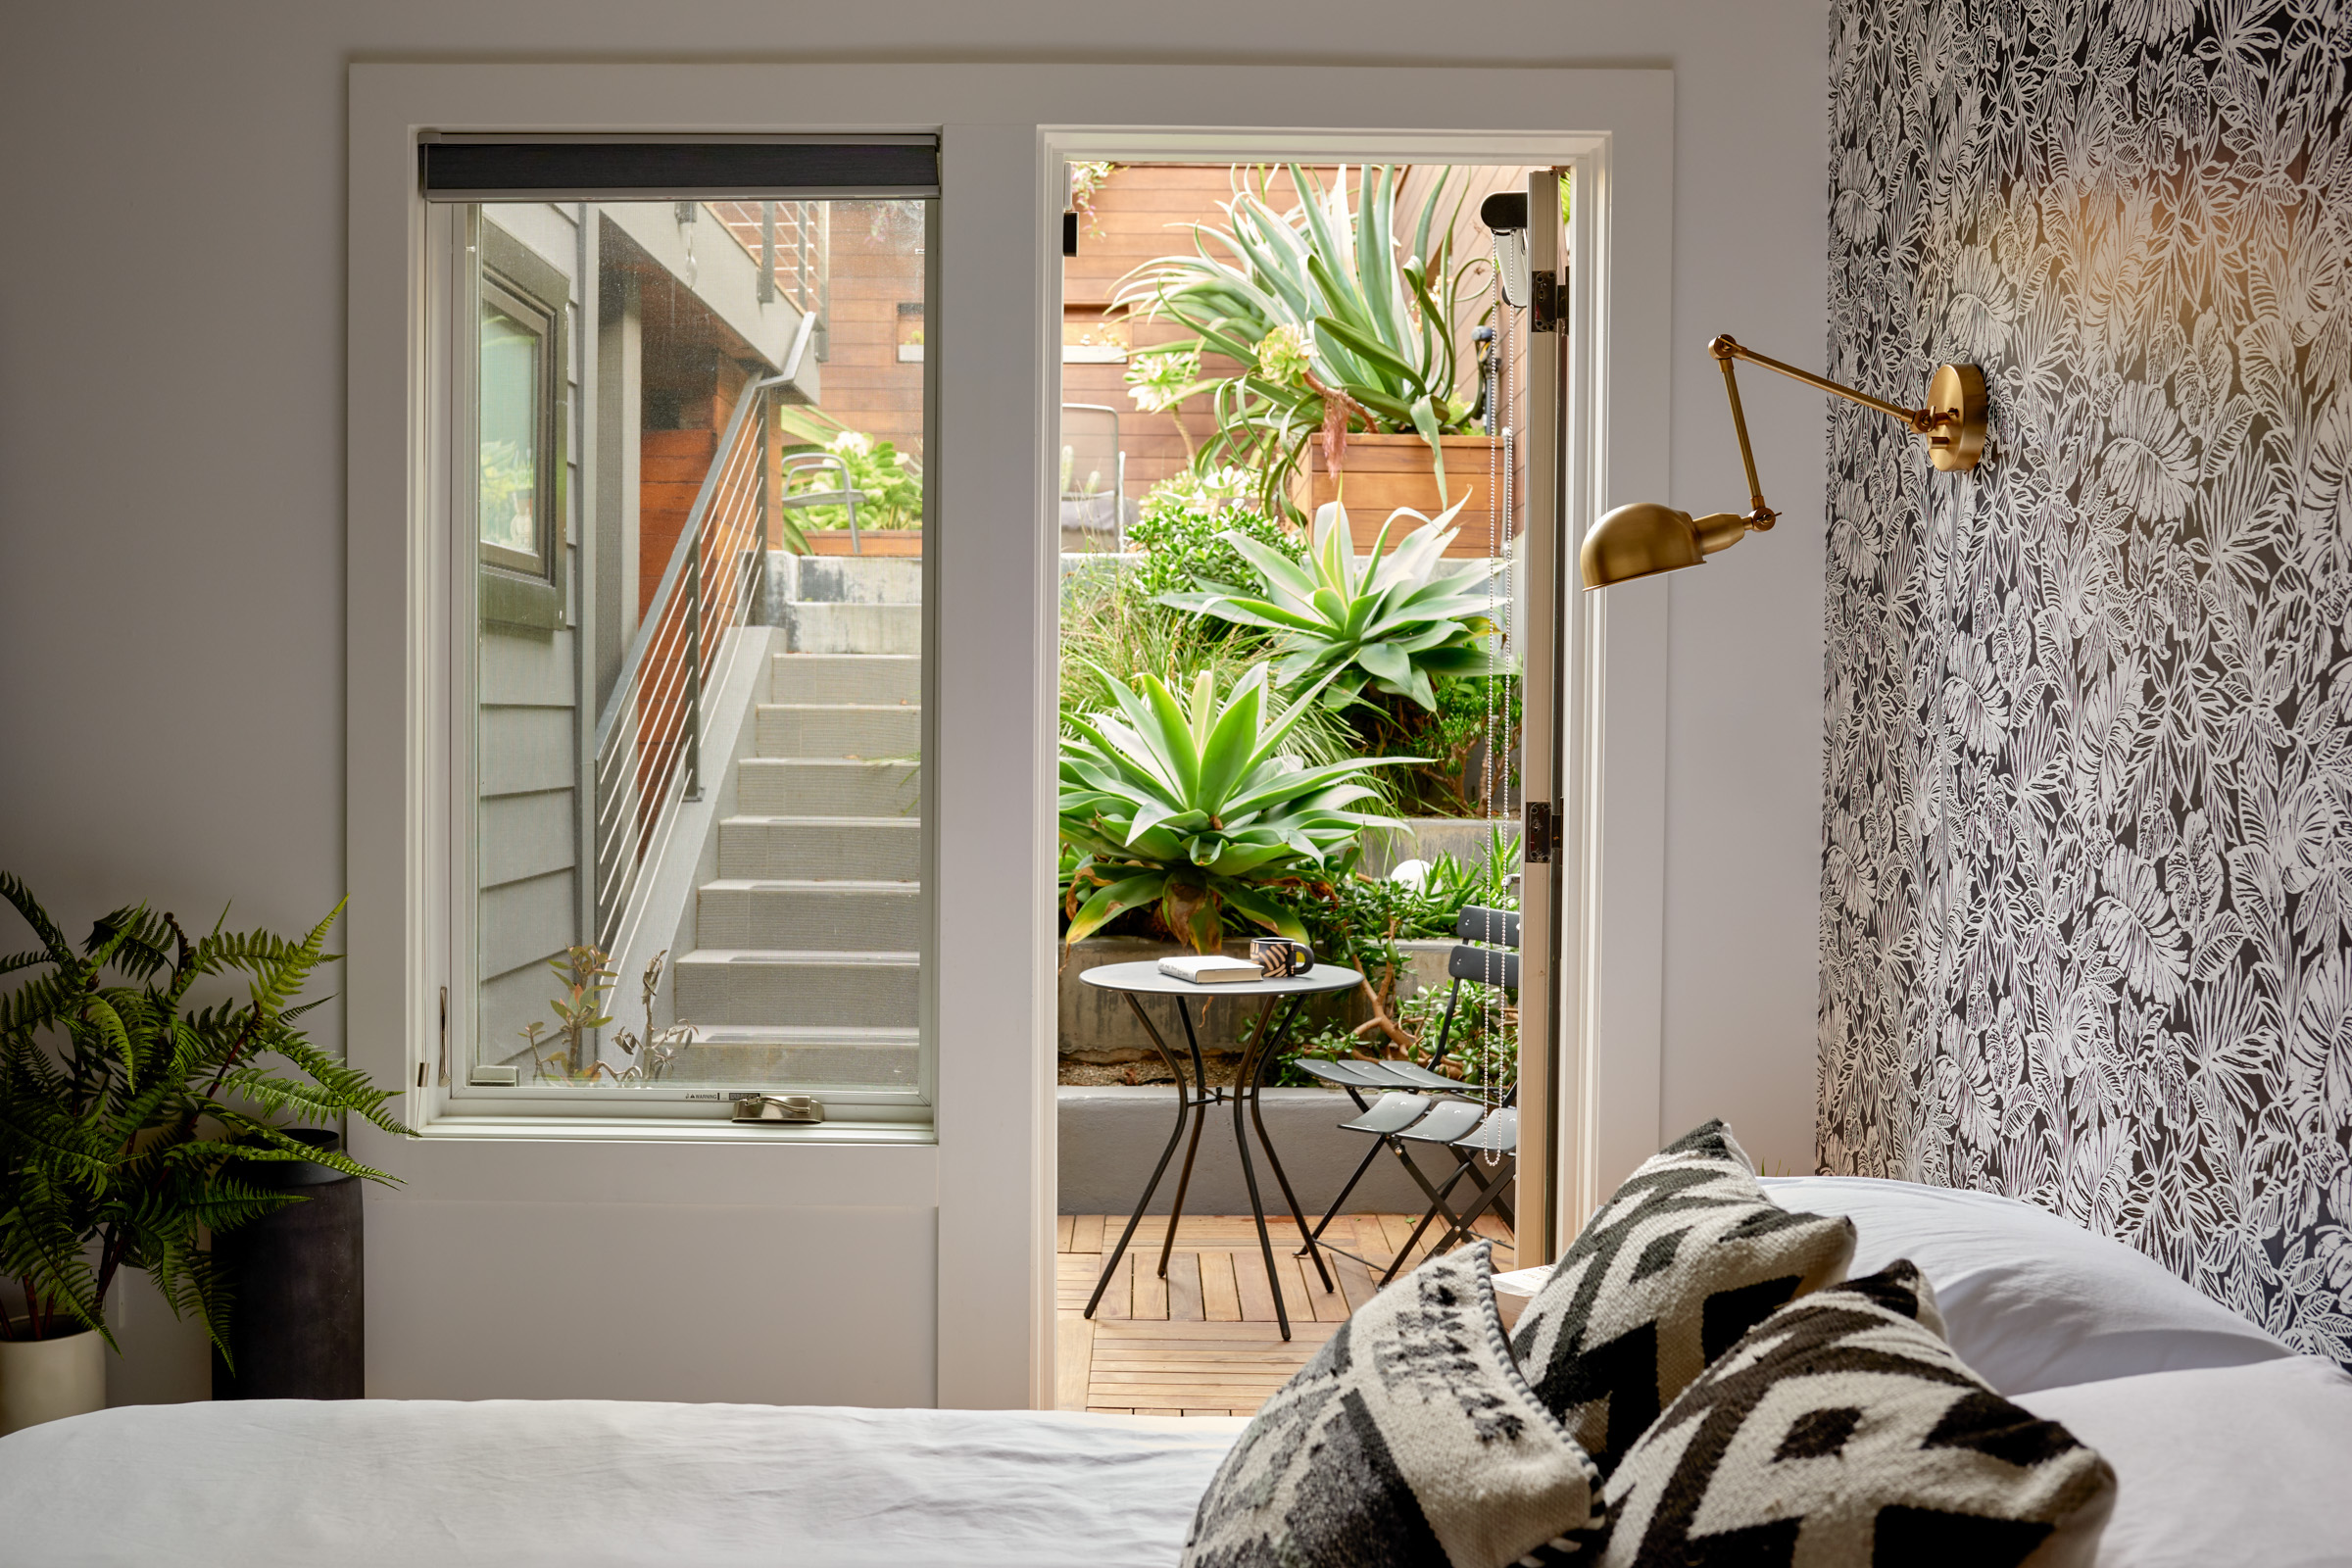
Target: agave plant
(1336, 320)
(127, 1114)
(1392, 623)
(1198, 810)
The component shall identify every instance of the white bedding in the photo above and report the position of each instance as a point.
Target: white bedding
(584, 1484)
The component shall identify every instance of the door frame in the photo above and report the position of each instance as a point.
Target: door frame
(987, 1178)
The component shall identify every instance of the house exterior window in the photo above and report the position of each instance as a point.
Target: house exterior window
(521, 328)
(691, 802)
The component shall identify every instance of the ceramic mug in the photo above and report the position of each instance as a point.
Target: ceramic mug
(1281, 958)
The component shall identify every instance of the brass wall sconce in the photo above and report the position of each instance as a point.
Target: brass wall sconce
(1646, 538)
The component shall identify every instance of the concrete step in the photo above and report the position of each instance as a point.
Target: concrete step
(851, 848)
(808, 914)
(863, 731)
(802, 990)
(844, 678)
(815, 627)
(853, 1057)
(826, 786)
(847, 579)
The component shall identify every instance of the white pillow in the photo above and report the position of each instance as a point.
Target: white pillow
(2242, 1464)
(2031, 1300)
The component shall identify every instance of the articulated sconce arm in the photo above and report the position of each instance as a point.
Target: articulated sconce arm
(1644, 538)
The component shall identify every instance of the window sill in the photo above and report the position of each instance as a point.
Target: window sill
(671, 1130)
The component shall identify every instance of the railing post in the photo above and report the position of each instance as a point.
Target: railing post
(694, 666)
(767, 541)
(768, 251)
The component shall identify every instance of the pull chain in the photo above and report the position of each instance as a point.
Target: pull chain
(1494, 784)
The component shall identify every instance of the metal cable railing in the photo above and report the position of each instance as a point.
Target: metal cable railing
(648, 737)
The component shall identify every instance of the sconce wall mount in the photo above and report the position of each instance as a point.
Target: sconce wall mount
(1646, 538)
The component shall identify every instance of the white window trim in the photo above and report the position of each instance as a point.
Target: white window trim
(989, 1176)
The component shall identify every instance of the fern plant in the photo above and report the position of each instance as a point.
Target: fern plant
(126, 1109)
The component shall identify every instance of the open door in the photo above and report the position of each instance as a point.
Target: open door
(1537, 406)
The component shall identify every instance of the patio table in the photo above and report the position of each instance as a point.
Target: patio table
(1193, 1097)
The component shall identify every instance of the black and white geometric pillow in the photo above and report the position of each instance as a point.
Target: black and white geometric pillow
(1683, 1259)
(1410, 1441)
(1843, 1430)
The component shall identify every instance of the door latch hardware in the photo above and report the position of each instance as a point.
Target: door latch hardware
(1544, 313)
(1542, 840)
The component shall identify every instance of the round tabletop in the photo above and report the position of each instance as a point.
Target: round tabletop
(1143, 976)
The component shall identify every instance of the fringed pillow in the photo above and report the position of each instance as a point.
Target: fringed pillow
(1410, 1441)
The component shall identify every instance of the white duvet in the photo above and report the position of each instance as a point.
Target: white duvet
(584, 1484)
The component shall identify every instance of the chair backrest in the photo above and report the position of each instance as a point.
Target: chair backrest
(1495, 928)
(1495, 963)
(1489, 966)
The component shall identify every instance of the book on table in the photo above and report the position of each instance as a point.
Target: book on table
(1210, 970)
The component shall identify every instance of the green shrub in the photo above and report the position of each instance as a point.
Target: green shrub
(1182, 531)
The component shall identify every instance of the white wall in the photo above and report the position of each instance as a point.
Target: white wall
(172, 375)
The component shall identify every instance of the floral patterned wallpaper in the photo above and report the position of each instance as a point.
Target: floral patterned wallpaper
(2087, 886)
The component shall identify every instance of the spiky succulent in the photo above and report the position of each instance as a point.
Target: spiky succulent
(1197, 809)
(1392, 622)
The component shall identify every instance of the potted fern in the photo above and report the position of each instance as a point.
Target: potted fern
(128, 1115)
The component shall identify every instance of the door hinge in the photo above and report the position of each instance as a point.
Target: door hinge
(1543, 836)
(1543, 303)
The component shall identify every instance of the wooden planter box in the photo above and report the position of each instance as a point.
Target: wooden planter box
(871, 541)
(1386, 471)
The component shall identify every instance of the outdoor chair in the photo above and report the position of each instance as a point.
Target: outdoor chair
(1497, 1135)
(1417, 1103)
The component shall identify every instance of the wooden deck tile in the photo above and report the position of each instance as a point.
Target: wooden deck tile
(1204, 1341)
(1184, 1288)
(1073, 1360)
(1119, 1299)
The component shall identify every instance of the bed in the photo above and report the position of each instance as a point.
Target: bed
(2229, 1446)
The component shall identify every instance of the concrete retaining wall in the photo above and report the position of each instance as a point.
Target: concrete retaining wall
(1110, 1138)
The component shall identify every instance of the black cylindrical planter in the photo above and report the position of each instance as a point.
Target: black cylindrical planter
(298, 1325)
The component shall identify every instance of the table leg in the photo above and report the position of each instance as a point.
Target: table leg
(1269, 1050)
(1200, 1103)
(1258, 1211)
(1185, 1101)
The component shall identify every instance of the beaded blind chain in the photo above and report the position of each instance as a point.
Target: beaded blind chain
(1498, 1032)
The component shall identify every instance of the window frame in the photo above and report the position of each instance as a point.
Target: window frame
(462, 242)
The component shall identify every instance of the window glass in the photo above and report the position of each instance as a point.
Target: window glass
(511, 408)
(697, 734)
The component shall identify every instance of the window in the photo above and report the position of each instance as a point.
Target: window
(692, 675)
(519, 384)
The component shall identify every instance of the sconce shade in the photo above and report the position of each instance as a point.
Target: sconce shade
(1639, 541)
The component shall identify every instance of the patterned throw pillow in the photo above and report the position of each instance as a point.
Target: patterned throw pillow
(1843, 1430)
(1410, 1441)
(1688, 1256)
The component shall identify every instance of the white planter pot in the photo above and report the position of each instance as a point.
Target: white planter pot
(48, 1379)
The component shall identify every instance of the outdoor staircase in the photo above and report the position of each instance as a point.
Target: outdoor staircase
(805, 957)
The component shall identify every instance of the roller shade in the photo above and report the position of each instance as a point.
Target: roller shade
(489, 169)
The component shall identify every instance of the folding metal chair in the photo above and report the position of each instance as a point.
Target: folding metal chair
(1498, 1135)
(1417, 1102)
